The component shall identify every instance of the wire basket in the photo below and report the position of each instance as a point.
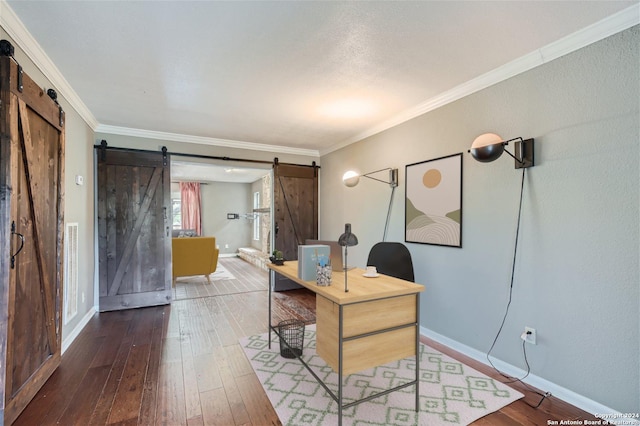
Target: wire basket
(291, 338)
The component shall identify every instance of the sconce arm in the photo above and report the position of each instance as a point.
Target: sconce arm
(393, 182)
(524, 150)
(513, 156)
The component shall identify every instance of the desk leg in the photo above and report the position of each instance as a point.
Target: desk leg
(340, 343)
(418, 352)
(271, 278)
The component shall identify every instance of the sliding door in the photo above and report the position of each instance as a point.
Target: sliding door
(295, 201)
(134, 229)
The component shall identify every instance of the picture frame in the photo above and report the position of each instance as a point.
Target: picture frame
(433, 201)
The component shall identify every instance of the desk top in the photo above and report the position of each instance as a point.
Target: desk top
(360, 288)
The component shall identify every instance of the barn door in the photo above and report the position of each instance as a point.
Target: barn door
(32, 221)
(134, 229)
(295, 207)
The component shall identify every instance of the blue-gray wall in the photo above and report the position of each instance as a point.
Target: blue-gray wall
(577, 277)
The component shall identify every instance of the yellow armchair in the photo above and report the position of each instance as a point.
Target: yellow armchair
(194, 256)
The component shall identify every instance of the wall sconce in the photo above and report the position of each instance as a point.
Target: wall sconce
(489, 147)
(352, 178)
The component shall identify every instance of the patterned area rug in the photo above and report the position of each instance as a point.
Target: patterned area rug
(451, 393)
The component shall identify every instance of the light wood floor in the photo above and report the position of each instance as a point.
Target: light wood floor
(181, 364)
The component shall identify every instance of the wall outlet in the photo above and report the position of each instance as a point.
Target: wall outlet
(529, 335)
(226, 246)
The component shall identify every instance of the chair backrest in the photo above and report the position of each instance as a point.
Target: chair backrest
(392, 259)
(193, 256)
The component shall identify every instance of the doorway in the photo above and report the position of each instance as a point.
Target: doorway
(235, 202)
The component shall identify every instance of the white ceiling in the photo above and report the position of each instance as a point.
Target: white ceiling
(308, 75)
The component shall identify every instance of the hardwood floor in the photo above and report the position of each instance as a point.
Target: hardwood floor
(182, 365)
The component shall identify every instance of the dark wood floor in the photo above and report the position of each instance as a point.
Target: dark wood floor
(182, 364)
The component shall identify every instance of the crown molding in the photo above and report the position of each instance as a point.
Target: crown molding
(202, 140)
(25, 41)
(602, 29)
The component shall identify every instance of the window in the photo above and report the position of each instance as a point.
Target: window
(176, 213)
(256, 217)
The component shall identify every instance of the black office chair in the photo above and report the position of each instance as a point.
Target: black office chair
(392, 259)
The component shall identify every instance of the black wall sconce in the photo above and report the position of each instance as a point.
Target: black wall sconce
(489, 147)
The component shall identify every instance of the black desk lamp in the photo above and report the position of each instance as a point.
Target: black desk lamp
(347, 239)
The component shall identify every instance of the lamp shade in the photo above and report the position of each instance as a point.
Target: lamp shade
(348, 239)
(351, 178)
(487, 147)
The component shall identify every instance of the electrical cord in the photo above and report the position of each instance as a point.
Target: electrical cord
(513, 268)
(506, 313)
(515, 379)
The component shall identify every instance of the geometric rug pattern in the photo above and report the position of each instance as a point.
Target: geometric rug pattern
(451, 393)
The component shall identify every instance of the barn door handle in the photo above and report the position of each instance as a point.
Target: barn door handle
(13, 232)
(164, 212)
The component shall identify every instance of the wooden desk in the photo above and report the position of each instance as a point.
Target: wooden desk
(376, 322)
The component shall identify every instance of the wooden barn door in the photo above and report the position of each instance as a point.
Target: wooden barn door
(295, 207)
(32, 220)
(134, 229)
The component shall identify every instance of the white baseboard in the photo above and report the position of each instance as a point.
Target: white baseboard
(68, 340)
(544, 385)
(228, 255)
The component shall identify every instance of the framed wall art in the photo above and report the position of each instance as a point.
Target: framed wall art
(433, 202)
